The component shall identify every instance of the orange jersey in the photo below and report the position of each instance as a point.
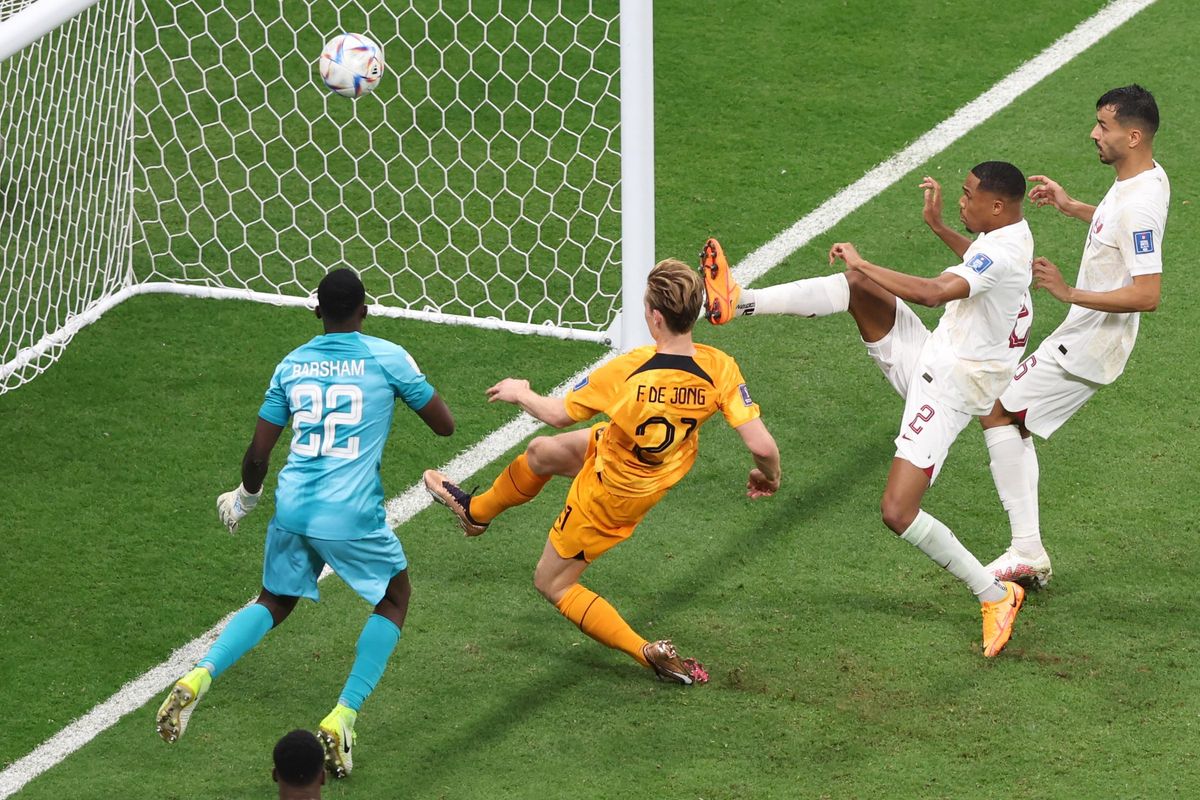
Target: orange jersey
(656, 402)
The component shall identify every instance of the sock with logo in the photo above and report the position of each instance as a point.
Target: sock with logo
(811, 297)
(938, 542)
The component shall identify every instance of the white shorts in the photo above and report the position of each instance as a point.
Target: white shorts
(897, 354)
(927, 430)
(1043, 395)
(929, 426)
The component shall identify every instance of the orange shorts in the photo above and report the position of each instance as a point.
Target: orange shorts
(593, 519)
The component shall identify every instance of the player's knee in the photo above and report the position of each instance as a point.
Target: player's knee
(872, 307)
(540, 454)
(897, 515)
(279, 605)
(856, 279)
(997, 417)
(861, 287)
(546, 585)
(542, 584)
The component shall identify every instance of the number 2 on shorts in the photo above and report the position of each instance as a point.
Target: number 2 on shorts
(924, 415)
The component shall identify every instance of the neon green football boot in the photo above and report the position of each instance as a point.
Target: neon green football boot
(175, 711)
(337, 737)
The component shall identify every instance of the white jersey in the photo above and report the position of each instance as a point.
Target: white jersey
(969, 358)
(1124, 240)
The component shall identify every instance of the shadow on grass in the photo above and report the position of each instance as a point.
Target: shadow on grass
(813, 500)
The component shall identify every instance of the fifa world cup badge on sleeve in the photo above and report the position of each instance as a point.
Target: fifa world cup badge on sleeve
(745, 390)
(1143, 242)
(979, 262)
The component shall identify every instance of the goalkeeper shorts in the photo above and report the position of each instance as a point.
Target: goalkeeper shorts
(292, 563)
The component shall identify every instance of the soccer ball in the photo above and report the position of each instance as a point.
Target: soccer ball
(351, 64)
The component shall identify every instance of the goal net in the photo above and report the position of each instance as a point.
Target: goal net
(189, 146)
(65, 199)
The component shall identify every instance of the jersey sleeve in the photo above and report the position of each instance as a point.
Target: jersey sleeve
(979, 269)
(274, 408)
(736, 403)
(1139, 238)
(594, 394)
(403, 375)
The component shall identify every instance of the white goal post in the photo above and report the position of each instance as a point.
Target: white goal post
(501, 175)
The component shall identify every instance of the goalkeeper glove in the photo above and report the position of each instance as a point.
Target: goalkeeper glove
(232, 506)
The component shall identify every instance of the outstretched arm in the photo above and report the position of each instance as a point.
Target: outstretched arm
(1051, 193)
(764, 478)
(550, 410)
(932, 214)
(931, 292)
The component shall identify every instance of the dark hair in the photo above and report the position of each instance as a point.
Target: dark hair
(1000, 177)
(299, 758)
(1132, 104)
(339, 295)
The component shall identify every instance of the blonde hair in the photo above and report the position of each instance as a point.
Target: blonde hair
(677, 292)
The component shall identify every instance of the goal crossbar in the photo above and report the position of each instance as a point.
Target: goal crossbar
(35, 21)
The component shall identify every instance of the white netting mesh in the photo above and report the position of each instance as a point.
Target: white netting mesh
(480, 179)
(64, 184)
(10, 7)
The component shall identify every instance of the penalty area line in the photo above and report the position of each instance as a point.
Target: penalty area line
(146, 687)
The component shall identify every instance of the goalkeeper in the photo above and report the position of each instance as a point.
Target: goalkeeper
(339, 390)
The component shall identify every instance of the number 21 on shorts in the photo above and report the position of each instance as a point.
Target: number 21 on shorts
(561, 522)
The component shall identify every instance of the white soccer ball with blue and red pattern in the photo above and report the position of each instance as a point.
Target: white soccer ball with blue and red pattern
(351, 64)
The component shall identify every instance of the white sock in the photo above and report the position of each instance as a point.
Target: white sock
(811, 297)
(1033, 473)
(1008, 463)
(938, 542)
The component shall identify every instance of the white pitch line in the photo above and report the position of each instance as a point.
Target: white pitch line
(966, 119)
(488, 449)
(148, 686)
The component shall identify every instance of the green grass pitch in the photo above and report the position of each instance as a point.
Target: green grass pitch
(844, 664)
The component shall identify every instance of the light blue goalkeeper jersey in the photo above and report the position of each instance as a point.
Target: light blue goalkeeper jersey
(339, 390)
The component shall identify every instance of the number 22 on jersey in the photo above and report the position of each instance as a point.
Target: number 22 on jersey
(314, 407)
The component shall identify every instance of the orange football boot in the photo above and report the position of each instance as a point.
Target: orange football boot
(720, 289)
(998, 619)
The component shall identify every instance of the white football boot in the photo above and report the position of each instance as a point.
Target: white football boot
(1012, 566)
